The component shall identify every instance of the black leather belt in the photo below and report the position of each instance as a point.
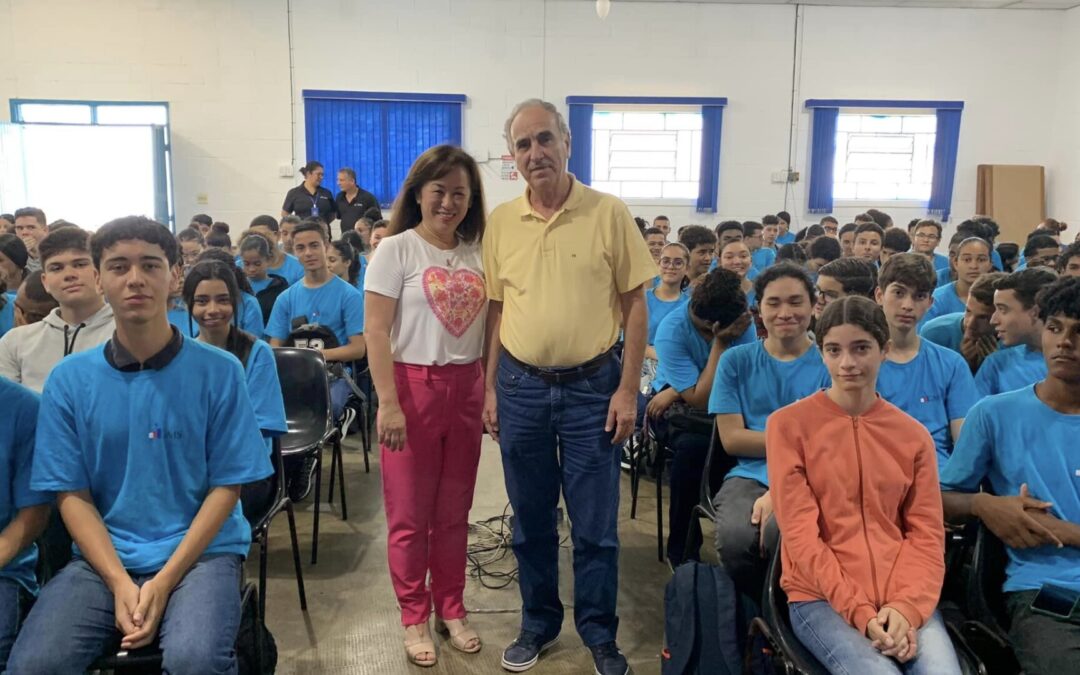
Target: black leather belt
(563, 375)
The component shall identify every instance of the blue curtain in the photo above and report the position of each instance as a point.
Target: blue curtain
(712, 122)
(580, 163)
(822, 156)
(946, 145)
(378, 139)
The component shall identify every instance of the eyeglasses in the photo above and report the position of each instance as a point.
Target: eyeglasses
(927, 237)
(673, 263)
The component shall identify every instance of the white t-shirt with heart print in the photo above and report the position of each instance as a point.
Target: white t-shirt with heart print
(442, 303)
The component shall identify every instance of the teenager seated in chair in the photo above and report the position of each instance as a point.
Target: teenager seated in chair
(24, 513)
(847, 239)
(869, 238)
(735, 257)
(255, 258)
(855, 485)
(701, 242)
(971, 262)
(146, 442)
(324, 299)
(1069, 260)
(929, 382)
(895, 241)
(821, 252)
(1023, 443)
(32, 302)
(843, 277)
(752, 381)
(282, 263)
(1019, 361)
(82, 320)
(666, 296)
(968, 333)
(925, 237)
(753, 236)
(689, 343)
(249, 313)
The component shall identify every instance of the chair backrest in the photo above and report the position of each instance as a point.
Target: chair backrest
(986, 600)
(717, 465)
(775, 612)
(260, 500)
(305, 388)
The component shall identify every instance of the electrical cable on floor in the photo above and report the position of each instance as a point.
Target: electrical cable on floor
(489, 546)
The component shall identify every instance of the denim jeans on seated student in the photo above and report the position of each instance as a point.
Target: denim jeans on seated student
(73, 621)
(339, 396)
(841, 649)
(13, 599)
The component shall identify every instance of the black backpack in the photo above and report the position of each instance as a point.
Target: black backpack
(256, 650)
(701, 623)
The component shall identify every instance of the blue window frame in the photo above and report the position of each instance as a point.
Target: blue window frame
(377, 134)
(104, 113)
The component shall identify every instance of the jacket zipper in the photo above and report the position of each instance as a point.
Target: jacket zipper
(862, 512)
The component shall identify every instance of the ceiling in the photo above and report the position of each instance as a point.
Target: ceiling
(940, 4)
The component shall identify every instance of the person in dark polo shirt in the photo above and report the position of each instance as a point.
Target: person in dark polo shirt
(309, 199)
(353, 201)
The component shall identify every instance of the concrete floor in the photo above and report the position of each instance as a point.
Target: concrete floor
(353, 625)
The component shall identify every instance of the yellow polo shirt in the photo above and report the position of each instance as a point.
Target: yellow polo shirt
(559, 280)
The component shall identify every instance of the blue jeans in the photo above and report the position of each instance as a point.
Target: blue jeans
(841, 649)
(340, 391)
(553, 436)
(73, 621)
(11, 608)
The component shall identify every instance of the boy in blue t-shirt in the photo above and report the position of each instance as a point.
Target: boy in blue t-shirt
(1024, 443)
(752, 381)
(688, 346)
(1016, 320)
(968, 333)
(281, 263)
(146, 442)
(321, 298)
(23, 512)
(927, 381)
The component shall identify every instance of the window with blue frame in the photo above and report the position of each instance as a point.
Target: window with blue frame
(154, 114)
(648, 149)
(876, 152)
(377, 134)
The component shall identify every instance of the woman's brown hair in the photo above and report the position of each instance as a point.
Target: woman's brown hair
(435, 163)
(857, 311)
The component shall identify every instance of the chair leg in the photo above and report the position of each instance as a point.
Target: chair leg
(660, 503)
(365, 436)
(333, 470)
(318, 503)
(296, 556)
(340, 458)
(633, 479)
(263, 541)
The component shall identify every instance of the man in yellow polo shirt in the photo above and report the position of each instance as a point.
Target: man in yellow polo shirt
(565, 268)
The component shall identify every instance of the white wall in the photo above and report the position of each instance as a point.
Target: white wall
(1064, 178)
(224, 67)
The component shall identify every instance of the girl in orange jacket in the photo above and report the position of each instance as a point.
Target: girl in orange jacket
(856, 497)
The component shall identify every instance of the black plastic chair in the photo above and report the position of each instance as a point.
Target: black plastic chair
(787, 653)
(717, 465)
(987, 629)
(305, 388)
(261, 505)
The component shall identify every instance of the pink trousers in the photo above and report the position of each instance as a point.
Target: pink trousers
(428, 487)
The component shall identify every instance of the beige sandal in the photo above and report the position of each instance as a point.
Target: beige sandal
(418, 643)
(461, 635)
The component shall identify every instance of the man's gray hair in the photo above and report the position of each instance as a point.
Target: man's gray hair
(534, 103)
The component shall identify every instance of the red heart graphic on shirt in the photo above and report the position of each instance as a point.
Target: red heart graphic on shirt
(456, 297)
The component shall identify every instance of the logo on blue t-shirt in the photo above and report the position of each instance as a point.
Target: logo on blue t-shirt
(157, 434)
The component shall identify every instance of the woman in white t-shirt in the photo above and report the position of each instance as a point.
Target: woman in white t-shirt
(425, 311)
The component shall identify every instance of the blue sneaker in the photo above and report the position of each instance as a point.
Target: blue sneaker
(608, 660)
(524, 652)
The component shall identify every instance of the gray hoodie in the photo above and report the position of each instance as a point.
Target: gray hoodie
(28, 353)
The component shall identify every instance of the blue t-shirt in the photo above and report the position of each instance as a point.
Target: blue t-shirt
(17, 425)
(259, 285)
(179, 317)
(291, 270)
(762, 258)
(1009, 369)
(944, 277)
(752, 383)
(264, 388)
(941, 262)
(753, 273)
(947, 331)
(149, 445)
(946, 301)
(682, 352)
(658, 309)
(335, 304)
(362, 274)
(7, 314)
(785, 238)
(251, 315)
(935, 388)
(995, 259)
(1012, 439)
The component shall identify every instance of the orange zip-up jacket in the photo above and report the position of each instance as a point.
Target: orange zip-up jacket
(858, 503)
